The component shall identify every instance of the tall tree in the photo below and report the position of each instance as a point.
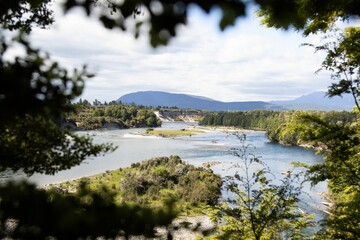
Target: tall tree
(343, 60)
(338, 142)
(35, 93)
(258, 208)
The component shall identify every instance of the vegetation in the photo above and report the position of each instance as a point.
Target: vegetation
(311, 16)
(339, 142)
(306, 15)
(173, 133)
(151, 182)
(31, 137)
(337, 139)
(32, 213)
(276, 124)
(257, 208)
(118, 115)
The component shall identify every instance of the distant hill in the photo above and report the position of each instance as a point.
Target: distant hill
(312, 101)
(157, 98)
(318, 101)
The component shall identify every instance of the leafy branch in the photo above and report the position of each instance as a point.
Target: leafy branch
(257, 208)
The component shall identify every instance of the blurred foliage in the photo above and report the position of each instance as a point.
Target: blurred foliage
(161, 18)
(35, 144)
(309, 16)
(38, 83)
(31, 213)
(34, 94)
(24, 14)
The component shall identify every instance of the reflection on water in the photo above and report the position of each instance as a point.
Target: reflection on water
(211, 146)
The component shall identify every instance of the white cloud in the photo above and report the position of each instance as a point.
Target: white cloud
(246, 62)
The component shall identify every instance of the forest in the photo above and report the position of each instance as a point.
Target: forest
(277, 124)
(87, 117)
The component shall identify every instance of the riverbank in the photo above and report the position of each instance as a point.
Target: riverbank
(180, 115)
(232, 129)
(227, 129)
(173, 133)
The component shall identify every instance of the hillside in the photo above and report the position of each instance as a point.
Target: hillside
(157, 98)
(318, 101)
(312, 101)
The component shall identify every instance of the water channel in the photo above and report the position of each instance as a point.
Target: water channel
(213, 145)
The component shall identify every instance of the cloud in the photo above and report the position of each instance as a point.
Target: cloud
(246, 62)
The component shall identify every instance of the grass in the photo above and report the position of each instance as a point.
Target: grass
(174, 133)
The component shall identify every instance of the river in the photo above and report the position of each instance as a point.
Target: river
(213, 145)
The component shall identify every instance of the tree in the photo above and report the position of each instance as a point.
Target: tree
(24, 14)
(96, 103)
(258, 208)
(343, 60)
(164, 16)
(310, 16)
(35, 93)
(338, 142)
(31, 136)
(32, 140)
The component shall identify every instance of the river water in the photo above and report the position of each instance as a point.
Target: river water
(213, 145)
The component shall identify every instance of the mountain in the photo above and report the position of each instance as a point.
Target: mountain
(318, 101)
(312, 101)
(157, 98)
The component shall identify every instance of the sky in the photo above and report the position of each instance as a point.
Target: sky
(247, 62)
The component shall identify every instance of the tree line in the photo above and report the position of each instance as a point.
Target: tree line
(87, 116)
(277, 124)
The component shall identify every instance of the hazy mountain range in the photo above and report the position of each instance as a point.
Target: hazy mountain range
(312, 101)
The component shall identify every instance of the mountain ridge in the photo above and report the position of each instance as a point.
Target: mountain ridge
(312, 101)
(186, 101)
(318, 101)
